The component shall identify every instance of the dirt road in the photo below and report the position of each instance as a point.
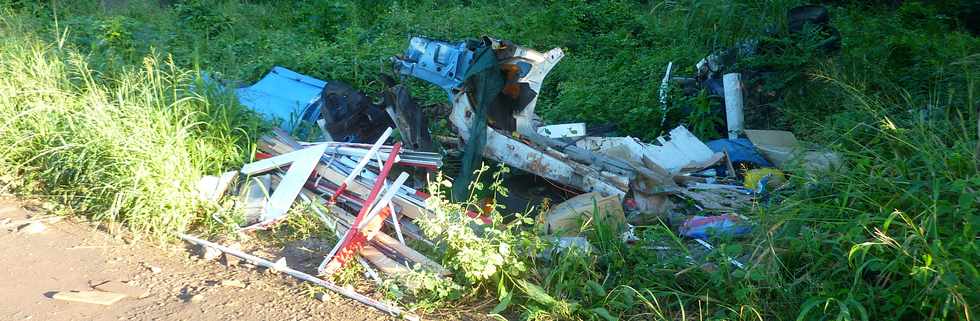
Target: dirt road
(71, 255)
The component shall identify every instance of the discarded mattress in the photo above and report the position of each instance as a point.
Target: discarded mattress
(283, 95)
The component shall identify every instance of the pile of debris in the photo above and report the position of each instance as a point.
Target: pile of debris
(369, 188)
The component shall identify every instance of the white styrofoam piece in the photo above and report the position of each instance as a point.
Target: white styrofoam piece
(673, 154)
(563, 130)
(211, 188)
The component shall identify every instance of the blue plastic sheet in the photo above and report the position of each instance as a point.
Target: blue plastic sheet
(283, 95)
(740, 150)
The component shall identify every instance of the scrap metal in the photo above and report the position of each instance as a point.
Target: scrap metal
(355, 238)
(441, 63)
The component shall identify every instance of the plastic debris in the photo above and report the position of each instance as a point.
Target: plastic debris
(739, 151)
(778, 146)
(701, 227)
(568, 217)
(349, 115)
(782, 148)
(772, 177)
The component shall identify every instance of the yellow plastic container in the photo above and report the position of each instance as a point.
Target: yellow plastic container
(752, 177)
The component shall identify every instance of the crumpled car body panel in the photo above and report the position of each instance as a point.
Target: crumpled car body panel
(525, 69)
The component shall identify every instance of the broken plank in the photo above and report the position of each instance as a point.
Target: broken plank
(92, 297)
(381, 261)
(718, 199)
(410, 254)
(122, 288)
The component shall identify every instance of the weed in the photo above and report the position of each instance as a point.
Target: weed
(97, 116)
(128, 150)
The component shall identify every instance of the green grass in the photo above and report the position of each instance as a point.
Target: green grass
(126, 146)
(98, 115)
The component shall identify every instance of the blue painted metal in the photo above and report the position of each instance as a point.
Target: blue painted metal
(283, 95)
(441, 63)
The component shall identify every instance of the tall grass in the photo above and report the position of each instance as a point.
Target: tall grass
(101, 119)
(894, 232)
(126, 147)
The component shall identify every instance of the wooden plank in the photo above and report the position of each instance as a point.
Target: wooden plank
(718, 199)
(410, 254)
(382, 262)
(122, 288)
(92, 297)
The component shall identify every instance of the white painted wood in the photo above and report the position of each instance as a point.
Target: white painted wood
(385, 200)
(367, 157)
(673, 154)
(302, 163)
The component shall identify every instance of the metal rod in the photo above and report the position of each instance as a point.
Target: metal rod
(367, 157)
(370, 272)
(664, 87)
(394, 311)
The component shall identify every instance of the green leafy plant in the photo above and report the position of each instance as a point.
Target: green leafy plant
(484, 255)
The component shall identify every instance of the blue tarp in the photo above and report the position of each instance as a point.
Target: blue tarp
(283, 94)
(740, 150)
